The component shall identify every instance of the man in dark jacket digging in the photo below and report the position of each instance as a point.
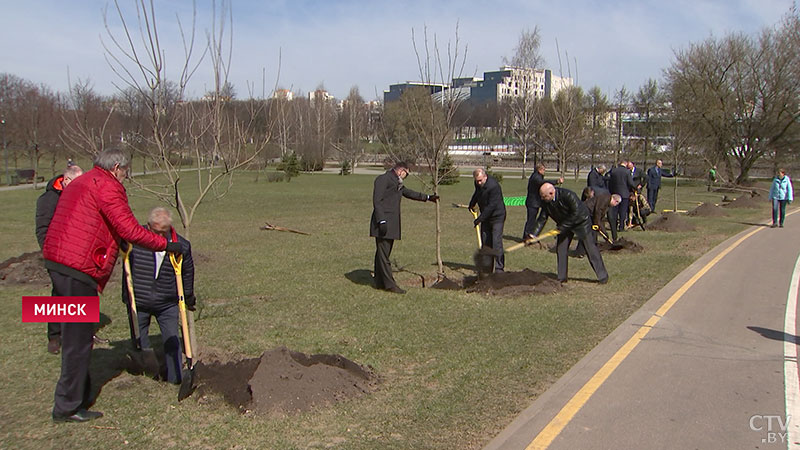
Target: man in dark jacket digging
(489, 197)
(155, 290)
(572, 219)
(384, 225)
(45, 208)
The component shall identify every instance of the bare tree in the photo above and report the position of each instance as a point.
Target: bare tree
(621, 99)
(520, 109)
(597, 107)
(527, 53)
(742, 93)
(648, 104)
(424, 124)
(564, 124)
(206, 134)
(352, 128)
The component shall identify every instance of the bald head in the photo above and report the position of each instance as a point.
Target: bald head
(547, 192)
(480, 176)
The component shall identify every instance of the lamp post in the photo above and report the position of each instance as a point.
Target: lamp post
(5, 151)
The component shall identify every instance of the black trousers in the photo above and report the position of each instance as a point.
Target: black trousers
(383, 267)
(530, 222)
(563, 241)
(492, 236)
(73, 390)
(621, 212)
(167, 318)
(53, 328)
(652, 198)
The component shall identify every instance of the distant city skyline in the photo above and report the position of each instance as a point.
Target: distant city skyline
(341, 44)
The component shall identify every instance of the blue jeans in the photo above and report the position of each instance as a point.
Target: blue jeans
(778, 206)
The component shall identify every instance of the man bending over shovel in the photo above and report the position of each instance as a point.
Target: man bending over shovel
(155, 290)
(572, 219)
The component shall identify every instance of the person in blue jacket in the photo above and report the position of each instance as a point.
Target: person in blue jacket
(781, 194)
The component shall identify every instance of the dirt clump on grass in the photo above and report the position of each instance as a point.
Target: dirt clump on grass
(670, 222)
(708, 210)
(446, 284)
(747, 201)
(27, 268)
(513, 283)
(283, 382)
(621, 245)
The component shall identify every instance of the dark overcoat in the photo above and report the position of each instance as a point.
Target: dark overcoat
(386, 194)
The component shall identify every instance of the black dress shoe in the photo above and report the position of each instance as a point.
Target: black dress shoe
(603, 281)
(54, 346)
(99, 340)
(82, 415)
(396, 290)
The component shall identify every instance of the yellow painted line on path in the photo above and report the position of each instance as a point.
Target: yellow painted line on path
(554, 428)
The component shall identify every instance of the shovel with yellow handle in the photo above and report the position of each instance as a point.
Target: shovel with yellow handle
(530, 241)
(187, 327)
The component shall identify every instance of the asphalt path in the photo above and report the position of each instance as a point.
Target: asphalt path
(710, 362)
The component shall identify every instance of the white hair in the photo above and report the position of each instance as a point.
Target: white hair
(160, 215)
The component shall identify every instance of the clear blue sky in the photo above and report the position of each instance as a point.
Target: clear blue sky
(340, 44)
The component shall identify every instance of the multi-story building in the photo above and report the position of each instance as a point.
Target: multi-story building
(511, 82)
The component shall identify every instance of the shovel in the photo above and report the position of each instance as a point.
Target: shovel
(144, 359)
(187, 327)
(532, 240)
(605, 236)
(474, 216)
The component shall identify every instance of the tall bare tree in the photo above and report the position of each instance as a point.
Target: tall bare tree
(597, 107)
(208, 133)
(649, 105)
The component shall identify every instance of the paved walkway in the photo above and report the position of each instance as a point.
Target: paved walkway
(708, 363)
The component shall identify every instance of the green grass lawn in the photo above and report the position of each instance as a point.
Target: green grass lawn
(455, 367)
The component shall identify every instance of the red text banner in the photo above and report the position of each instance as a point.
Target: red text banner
(61, 309)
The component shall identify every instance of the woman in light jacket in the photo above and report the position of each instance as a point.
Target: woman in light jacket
(781, 194)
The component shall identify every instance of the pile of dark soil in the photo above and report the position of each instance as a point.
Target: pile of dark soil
(28, 268)
(446, 284)
(670, 222)
(708, 210)
(282, 381)
(747, 201)
(621, 245)
(513, 283)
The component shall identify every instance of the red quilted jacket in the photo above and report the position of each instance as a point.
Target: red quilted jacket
(91, 217)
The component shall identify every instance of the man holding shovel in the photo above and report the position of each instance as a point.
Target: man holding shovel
(80, 251)
(489, 197)
(155, 290)
(599, 203)
(384, 225)
(572, 219)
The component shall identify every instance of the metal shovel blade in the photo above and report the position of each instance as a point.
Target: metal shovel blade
(187, 383)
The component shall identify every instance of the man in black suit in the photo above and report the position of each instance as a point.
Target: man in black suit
(572, 220)
(385, 223)
(489, 197)
(599, 203)
(596, 178)
(532, 201)
(654, 175)
(621, 183)
(638, 176)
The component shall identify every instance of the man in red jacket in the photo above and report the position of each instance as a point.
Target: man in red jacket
(80, 250)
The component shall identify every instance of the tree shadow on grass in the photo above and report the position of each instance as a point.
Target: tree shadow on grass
(360, 276)
(459, 266)
(766, 225)
(776, 335)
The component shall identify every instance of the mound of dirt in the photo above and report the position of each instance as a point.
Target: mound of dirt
(670, 222)
(747, 201)
(513, 283)
(621, 245)
(282, 381)
(446, 284)
(28, 268)
(708, 210)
